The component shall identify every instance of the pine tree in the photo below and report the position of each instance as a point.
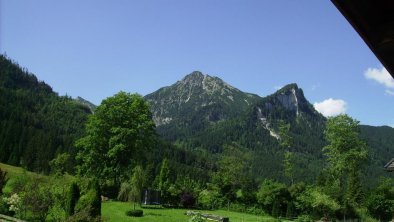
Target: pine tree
(73, 198)
(3, 180)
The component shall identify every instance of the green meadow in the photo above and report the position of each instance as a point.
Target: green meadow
(115, 211)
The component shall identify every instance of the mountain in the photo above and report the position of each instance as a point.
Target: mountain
(201, 112)
(83, 101)
(36, 123)
(289, 105)
(197, 117)
(195, 102)
(199, 103)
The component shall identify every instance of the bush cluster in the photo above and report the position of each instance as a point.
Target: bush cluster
(134, 213)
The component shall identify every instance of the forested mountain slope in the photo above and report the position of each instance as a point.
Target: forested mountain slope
(36, 124)
(183, 117)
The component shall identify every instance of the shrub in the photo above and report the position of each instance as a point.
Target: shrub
(89, 201)
(124, 192)
(83, 215)
(197, 218)
(96, 205)
(209, 199)
(304, 218)
(15, 204)
(4, 209)
(255, 210)
(187, 200)
(73, 198)
(3, 180)
(37, 199)
(134, 213)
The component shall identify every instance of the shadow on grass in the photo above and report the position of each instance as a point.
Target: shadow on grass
(154, 214)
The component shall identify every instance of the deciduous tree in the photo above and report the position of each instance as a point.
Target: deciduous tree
(118, 135)
(346, 153)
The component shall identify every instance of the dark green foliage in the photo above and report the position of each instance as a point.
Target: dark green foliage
(346, 154)
(234, 174)
(164, 181)
(313, 201)
(35, 123)
(37, 199)
(380, 201)
(96, 204)
(276, 209)
(135, 213)
(83, 216)
(290, 211)
(380, 141)
(59, 164)
(187, 200)
(4, 209)
(74, 195)
(118, 135)
(131, 190)
(210, 199)
(3, 180)
(90, 198)
(304, 218)
(273, 197)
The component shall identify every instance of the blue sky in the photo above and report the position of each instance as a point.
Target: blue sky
(94, 49)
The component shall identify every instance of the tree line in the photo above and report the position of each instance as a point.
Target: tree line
(338, 191)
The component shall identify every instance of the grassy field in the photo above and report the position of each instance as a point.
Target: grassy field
(115, 211)
(14, 172)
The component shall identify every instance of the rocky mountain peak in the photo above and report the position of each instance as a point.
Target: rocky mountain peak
(207, 95)
(290, 96)
(288, 87)
(194, 76)
(206, 84)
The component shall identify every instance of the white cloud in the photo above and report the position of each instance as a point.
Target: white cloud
(381, 76)
(331, 107)
(389, 92)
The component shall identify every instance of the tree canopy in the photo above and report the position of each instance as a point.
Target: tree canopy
(346, 154)
(117, 138)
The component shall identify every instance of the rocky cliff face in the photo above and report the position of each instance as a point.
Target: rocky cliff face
(289, 105)
(290, 98)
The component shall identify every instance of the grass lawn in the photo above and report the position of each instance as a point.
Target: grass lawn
(115, 211)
